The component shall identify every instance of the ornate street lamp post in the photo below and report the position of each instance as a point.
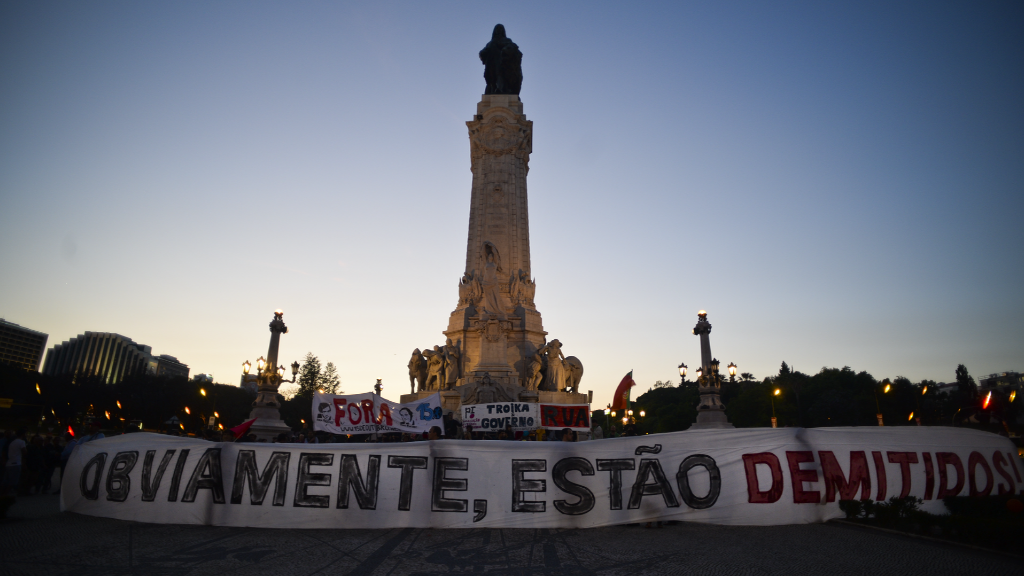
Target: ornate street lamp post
(710, 411)
(878, 407)
(269, 378)
(775, 422)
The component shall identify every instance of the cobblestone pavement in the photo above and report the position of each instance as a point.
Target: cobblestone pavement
(38, 540)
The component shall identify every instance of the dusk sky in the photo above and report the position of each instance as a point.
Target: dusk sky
(837, 185)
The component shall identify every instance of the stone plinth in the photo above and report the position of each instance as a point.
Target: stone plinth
(268, 428)
(547, 397)
(268, 422)
(407, 398)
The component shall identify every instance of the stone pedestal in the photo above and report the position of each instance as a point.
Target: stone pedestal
(407, 398)
(268, 428)
(451, 401)
(548, 397)
(268, 422)
(710, 411)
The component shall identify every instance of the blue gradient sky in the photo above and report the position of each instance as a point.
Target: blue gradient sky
(836, 185)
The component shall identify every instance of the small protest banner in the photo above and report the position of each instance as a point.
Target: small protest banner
(368, 413)
(559, 416)
(521, 416)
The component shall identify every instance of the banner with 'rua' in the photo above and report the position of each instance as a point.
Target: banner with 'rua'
(743, 476)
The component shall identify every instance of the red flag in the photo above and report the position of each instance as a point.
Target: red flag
(242, 428)
(622, 392)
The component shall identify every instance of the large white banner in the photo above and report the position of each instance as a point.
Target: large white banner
(745, 476)
(367, 413)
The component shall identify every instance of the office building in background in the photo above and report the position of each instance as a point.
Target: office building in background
(21, 346)
(111, 356)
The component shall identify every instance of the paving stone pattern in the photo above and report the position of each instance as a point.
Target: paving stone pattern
(38, 540)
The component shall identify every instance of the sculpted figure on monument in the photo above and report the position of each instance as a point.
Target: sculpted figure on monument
(520, 288)
(533, 372)
(503, 64)
(435, 368)
(575, 369)
(485, 390)
(494, 302)
(515, 287)
(556, 376)
(470, 289)
(451, 360)
(529, 287)
(417, 371)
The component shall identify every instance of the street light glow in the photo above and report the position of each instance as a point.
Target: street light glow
(777, 391)
(38, 391)
(202, 391)
(911, 417)
(245, 367)
(1013, 394)
(887, 387)
(118, 404)
(642, 414)
(988, 398)
(187, 411)
(215, 415)
(924, 390)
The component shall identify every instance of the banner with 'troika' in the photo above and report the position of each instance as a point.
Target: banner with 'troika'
(525, 416)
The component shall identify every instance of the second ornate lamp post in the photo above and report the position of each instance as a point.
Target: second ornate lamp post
(878, 406)
(270, 376)
(710, 411)
(775, 421)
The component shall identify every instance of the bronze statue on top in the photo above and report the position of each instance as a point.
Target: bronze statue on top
(503, 64)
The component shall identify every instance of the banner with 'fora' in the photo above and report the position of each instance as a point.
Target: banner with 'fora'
(744, 476)
(368, 413)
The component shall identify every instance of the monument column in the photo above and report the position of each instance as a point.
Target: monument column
(496, 319)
